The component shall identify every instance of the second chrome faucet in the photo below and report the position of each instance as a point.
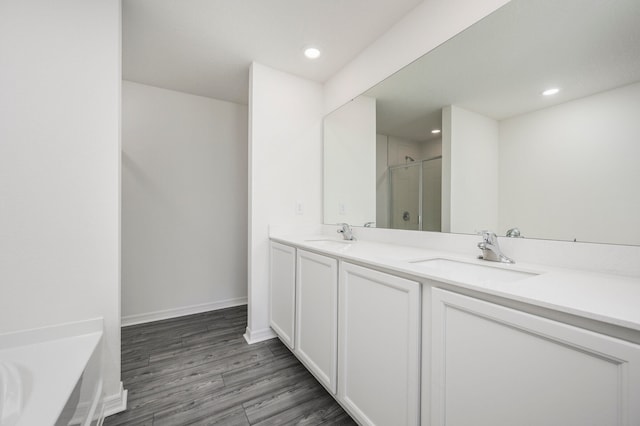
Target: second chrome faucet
(490, 248)
(346, 232)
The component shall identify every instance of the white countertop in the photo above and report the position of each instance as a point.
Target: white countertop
(611, 299)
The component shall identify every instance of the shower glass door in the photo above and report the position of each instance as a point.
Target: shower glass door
(405, 196)
(415, 196)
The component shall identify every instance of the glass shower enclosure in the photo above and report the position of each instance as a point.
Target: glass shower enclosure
(415, 195)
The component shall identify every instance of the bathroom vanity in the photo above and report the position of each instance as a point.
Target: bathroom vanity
(404, 335)
(405, 327)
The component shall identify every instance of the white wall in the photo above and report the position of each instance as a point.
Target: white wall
(470, 168)
(588, 186)
(349, 163)
(399, 149)
(184, 203)
(60, 167)
(285, 169)
(432, 148)
(421, 30)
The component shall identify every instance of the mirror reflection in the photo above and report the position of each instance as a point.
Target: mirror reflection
(527, 120)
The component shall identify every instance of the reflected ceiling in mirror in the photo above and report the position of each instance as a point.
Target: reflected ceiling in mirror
(561, 167)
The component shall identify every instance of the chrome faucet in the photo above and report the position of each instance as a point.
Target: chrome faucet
(346, 232)
(514, 233)
(490, 248)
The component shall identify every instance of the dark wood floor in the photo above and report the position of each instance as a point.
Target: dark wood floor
(198, 370)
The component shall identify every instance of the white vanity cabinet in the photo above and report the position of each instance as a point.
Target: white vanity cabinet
(317, 315)
(379, 346)
(493, 365)
(282, 280)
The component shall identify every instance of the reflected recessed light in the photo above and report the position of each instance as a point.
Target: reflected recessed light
(311, 52)
(435, 131)
(550, 92)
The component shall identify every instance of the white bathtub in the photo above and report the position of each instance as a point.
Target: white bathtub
(52, 376)
(11, 393)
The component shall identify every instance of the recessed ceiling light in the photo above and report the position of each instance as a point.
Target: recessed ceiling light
(550, 92)
(435, 131)
(311, 52)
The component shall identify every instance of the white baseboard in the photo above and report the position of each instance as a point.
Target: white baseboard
(259, 335)
(178, 312)
(116, 403)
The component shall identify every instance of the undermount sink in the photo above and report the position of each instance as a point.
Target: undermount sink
(470, 272)
(329, 243)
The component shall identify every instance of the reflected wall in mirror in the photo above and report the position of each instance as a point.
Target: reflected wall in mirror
(564, 166)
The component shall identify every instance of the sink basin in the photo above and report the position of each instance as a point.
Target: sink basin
(329, 243)
(470, 272)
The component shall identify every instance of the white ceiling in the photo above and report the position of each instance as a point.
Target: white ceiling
(500, 66)
(205, 47)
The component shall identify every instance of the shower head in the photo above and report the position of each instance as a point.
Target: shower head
(407, 158)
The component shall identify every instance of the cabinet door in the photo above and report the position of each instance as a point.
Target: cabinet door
(282, 292)
(317, 316)
(379, 351)
(493, 365)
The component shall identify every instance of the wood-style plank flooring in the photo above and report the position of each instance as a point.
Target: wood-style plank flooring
(199, 370)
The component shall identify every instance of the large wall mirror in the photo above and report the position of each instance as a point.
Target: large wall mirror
(468, 138)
